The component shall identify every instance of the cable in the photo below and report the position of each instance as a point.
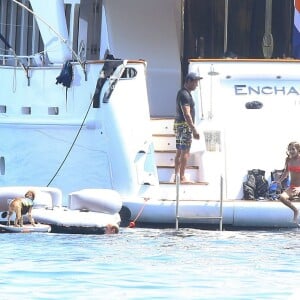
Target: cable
(132, 223)
(75, 139)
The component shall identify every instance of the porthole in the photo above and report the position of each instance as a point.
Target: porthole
(129, 73)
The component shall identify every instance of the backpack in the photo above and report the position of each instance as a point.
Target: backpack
(256, 186)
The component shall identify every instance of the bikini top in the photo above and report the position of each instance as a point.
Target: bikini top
(294, 169)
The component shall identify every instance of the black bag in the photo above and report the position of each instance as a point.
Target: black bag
(66, 75)
(256, 186)
(249, 187)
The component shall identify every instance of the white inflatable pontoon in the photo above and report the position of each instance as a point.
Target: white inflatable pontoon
(90, 211)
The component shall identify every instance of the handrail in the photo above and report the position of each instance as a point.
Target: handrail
(14, 61)
(177, 200)
(113, 80)
(221, 204)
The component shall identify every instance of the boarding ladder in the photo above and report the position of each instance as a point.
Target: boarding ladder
(218, 217)
(165, 149)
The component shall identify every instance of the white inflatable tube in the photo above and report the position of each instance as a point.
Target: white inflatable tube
(26, 228)
(44, 196)
(96, 200)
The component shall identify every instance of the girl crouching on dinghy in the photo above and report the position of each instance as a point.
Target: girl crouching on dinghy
(292, 168)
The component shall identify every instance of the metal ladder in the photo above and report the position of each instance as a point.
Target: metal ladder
(219, 217)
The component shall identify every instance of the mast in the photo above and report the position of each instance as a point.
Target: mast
(52, 12)
(54, 35)
(226, 26)
(267, 43)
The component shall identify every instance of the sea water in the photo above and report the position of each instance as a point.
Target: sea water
(151, 264)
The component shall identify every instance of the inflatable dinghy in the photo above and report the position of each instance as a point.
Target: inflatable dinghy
(89, 211)
(26, 228)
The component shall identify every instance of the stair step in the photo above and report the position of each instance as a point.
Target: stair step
(167, 174)
(167, 158)
(162, 125)
(164, 142)
(165, 149)
(172, 167)
(164, 135)
(190, 183)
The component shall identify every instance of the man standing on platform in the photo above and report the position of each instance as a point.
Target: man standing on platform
(184, 127)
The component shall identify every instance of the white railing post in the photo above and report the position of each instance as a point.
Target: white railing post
(221, 204)
(177, 199)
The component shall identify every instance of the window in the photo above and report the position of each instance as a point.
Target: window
(26, 110)
(53, 111)
(2, 109)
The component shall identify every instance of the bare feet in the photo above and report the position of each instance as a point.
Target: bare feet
(185, 180)
(296, 214)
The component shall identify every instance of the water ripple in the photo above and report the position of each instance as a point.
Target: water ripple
(151, 263)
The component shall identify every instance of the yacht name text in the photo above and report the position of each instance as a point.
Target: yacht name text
(244, 90)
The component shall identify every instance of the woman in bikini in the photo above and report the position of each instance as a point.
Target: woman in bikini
(292, 168)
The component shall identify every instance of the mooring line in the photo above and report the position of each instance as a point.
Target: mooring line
(132, 223)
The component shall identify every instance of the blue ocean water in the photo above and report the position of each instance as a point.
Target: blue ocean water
(151, 264)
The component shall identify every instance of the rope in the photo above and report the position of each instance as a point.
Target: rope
(75, 139)
(132, 223)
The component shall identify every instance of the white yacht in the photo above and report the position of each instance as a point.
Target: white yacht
(88, 99)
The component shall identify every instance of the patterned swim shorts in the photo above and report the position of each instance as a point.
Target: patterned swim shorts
(183, 135)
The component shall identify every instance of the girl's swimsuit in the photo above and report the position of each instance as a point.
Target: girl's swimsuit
(294, 169)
